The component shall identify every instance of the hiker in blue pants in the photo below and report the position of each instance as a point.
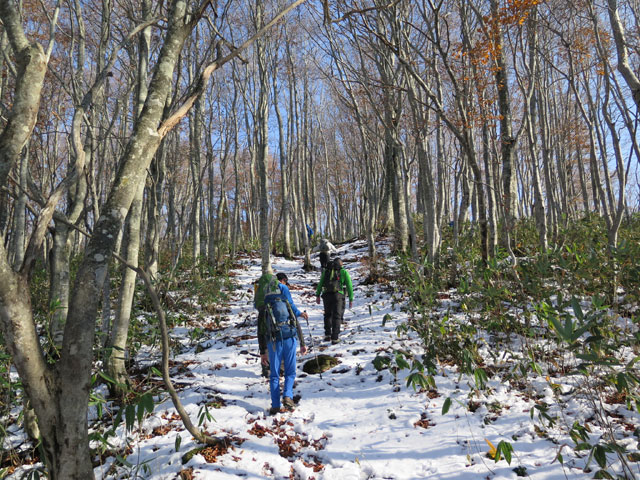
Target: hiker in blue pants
(282, 345)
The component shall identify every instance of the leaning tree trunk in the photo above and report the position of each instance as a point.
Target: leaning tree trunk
(59, 393)
(16, 316)
(65, 440)
(118, 341)
(612, 92)
(624, 66)
(117, 345)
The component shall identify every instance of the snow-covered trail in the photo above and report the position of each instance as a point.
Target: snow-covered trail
(353, 423)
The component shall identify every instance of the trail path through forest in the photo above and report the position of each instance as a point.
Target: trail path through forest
(353, 423)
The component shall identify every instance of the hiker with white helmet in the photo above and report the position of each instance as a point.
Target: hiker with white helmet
(326, 248)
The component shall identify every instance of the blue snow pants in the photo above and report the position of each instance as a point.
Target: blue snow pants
(278, 351)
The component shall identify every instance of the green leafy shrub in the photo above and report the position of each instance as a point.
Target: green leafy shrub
(567, 310)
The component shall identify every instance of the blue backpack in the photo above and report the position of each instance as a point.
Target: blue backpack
(280, 318)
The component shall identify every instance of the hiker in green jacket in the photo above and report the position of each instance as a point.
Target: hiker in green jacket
(335, 281)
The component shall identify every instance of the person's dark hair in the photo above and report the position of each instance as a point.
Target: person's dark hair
(337, 261)
(282, 276)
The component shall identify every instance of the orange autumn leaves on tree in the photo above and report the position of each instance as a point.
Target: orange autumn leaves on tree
(483, 52)
(517, 11)
(513, 13)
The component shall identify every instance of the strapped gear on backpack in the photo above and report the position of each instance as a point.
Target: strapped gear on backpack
(332, 277)
(268, 285)
(280, 322)
(324, 246)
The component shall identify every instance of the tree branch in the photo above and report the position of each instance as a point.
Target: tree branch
(623, 58)
(200, 83)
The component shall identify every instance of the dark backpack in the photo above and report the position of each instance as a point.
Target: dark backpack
(280, 319)
(332, 277)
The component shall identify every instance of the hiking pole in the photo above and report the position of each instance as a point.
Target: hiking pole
(315, 354)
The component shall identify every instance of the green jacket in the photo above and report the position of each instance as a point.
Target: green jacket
(345, 283)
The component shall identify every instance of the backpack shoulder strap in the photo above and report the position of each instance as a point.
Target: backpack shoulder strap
(292, 316)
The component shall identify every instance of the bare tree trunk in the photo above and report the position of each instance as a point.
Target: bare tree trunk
(412, 239)
(552, 205)
(60, 257)
(195, 137)
(309, 156)
(16, 316)
(507, 138)
(236, 231)
(20, 213)
(115, 366)
(262, 140)
(492, 218)
(538, 206)
(389, 24)
(284, 180)
(431, 221)
(462, 179)
(617, 207)
(155, 196)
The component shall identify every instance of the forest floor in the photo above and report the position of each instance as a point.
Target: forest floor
(354, 421)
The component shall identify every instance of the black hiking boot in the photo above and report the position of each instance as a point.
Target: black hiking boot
(274, 410)
(335, 341)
